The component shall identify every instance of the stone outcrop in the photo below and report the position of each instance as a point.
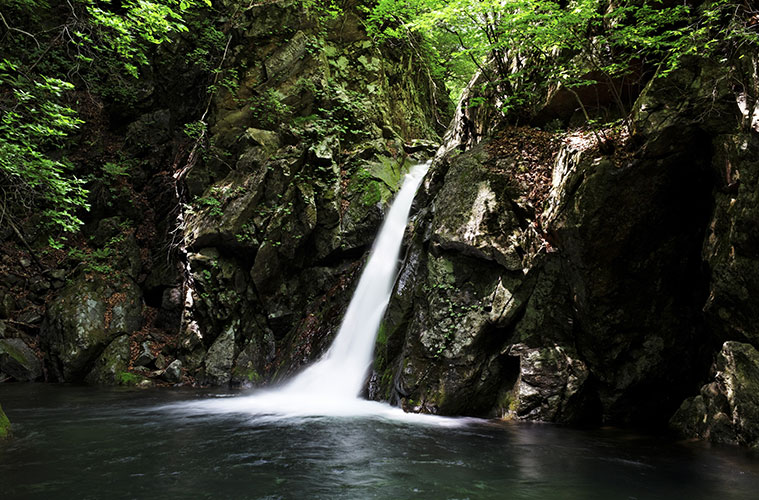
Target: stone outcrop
(608, 305)
(727, 409)
(227, 225)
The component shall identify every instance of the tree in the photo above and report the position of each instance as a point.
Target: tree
(524, 47)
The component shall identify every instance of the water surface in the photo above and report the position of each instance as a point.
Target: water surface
(84, 442)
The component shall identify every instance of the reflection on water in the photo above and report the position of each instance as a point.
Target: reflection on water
(79, 442)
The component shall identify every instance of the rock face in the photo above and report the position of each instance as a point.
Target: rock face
(609, 304)
(545, 277)
(281, 222)
(727, 410)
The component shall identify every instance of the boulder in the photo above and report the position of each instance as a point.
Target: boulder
(112, 366)
(474, 214)
(19, 361)
(88, 315)
(173, 372)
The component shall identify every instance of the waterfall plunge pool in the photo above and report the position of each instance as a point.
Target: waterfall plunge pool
(85, 442)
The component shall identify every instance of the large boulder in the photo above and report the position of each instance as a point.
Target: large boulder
(87, 315)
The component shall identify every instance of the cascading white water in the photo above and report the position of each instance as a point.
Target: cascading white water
(330, 387)
(341, 372)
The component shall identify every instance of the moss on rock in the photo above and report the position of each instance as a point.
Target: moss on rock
(5, 424)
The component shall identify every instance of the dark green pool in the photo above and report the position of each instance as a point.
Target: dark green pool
(81, 442)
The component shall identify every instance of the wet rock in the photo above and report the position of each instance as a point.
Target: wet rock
(727, 410)
(85, 317)
(145, 356)
(112, 366)
(421, 146)
(474, 215)
(173, 372)
(551, 385)
(19, 361)
(220, 358)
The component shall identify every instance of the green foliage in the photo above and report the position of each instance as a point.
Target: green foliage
(323, 8)
(338, 111)
(126, 378)
(211, 203)
(126, 32)
(111, 169)
(268, 108)
(523, 47)
(33, 127)
(195, 130)
(99, 260)
(247, 234)
(88, 45)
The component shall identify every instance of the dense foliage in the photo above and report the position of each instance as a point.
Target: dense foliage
(525, 46)
(48, 67)
(57, 54)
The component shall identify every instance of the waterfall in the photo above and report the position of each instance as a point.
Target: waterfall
(341, 372)
(331, 386)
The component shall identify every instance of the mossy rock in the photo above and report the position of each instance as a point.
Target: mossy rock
(19, 361)
(5, 424)
(85, 318)
(111, 366)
